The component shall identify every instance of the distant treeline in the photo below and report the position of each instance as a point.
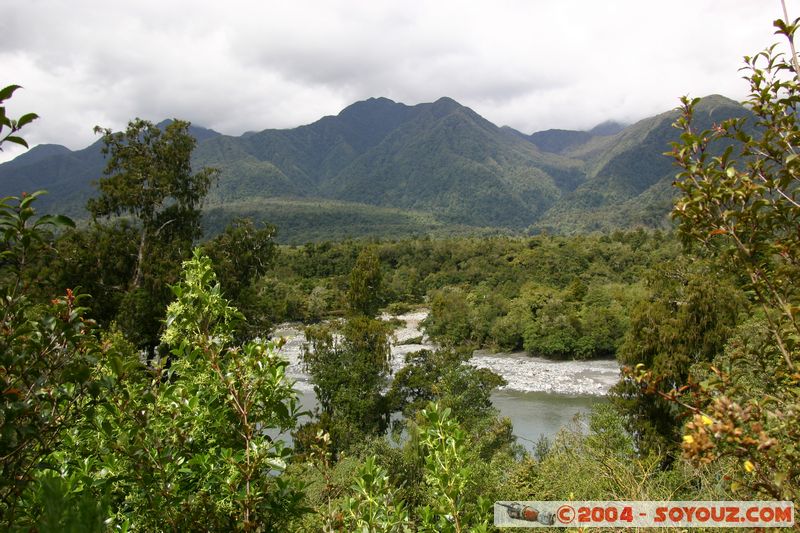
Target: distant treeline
(560, 297)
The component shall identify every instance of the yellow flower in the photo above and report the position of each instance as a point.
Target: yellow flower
(748, 466)
(707, 421)
(688, 439)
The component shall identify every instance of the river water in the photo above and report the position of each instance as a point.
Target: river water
(540, 397)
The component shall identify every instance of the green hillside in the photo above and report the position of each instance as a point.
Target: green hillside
(629, 179)
(309, 220)
(450, 161)
(384, 168)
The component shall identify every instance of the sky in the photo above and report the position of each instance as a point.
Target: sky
(240, 66)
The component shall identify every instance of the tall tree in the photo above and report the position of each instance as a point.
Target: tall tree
(149, 179)
(685, 320)
(47, 350)
(349, 367)
(241, 255)
(364, 295)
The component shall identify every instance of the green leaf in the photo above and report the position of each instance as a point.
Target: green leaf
(26, 119)
(6, 92)
(17, 140)
(116, 366)
(56, 220)
(30, 198)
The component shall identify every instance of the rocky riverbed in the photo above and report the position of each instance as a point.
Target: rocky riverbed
(522, 372)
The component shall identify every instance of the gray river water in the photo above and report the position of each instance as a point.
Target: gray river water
(540, 397)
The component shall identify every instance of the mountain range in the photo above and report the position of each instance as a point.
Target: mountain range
(385, 168)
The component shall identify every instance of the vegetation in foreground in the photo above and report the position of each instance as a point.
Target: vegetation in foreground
(153, 409)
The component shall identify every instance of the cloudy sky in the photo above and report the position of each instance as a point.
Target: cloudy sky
(238, 66)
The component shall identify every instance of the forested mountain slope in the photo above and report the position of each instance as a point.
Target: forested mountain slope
(442, 162)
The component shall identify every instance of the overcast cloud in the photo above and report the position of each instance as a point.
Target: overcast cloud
(239, 66)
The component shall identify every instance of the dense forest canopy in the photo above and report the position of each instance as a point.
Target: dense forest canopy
(140, 389)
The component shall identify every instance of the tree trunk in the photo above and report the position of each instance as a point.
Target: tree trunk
(137, 277)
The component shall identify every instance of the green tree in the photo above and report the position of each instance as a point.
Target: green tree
(685, 321)
(449, 475)
(100, 260)
(449, 319)
(744, 205)
(375, 505)
(595, 458)
(47, 361)
(554, 331)
(444, 376)
(241, 254)
(47, 355)
(349, 367)
(349, 362)
(196, 445)
(365, 294)
(149, 178)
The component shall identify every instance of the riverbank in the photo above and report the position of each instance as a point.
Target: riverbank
(522, 372)
(540, 397)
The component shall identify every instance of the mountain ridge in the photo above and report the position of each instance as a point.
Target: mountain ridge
(441, 159)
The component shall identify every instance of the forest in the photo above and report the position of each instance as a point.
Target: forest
(141, 390)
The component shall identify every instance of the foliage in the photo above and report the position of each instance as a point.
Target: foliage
(48, 354)
(448, 475)
(349, 368)
(448, 321)
(400, 487)
(319, 220)
(374, 505)
(193, 445)
(12, 125)
(443, 376)
(556, 324)
(65, 506)
(595, 458)
(485, 292)
(100, 259)
(743, 205)
(690, 313)
(365, 291)
(241, 255)
(149, 178)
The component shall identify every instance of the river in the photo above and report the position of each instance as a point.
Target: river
(540, 395)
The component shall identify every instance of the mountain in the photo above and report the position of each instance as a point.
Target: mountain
(451, 161)
(381, 166)
(562, 141)
(628, 179)
(66, 175)
(37, 153)
(609, 127)
(559, 141)
(292, 163)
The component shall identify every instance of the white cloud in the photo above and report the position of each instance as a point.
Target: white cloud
(530, 64)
